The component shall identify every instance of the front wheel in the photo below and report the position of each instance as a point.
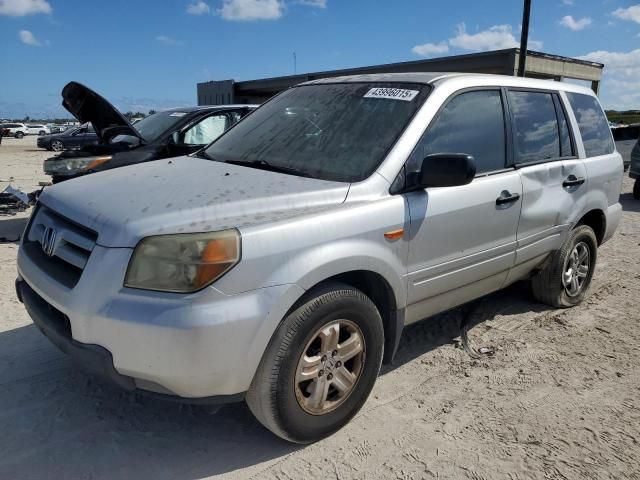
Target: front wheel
(565, 280)
(57, 145)
(636, 189)
(320, 366)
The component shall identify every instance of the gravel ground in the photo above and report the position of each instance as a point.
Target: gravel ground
(560, 398)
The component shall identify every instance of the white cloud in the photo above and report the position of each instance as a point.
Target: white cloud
(248, 10)
(620, 86)
(29, 38)
(427, 49)
(165, 40)
(198, 8)
(632, 13)
(20, 8)
(494, 38)
(567, 2)
(313, 3)
(575, 24)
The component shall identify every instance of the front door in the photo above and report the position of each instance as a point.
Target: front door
(462, 241)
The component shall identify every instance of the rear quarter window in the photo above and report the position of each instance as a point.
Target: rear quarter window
(593, 125)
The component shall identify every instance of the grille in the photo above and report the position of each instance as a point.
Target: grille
(60, 247)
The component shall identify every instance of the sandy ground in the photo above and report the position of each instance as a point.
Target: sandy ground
(560, 399)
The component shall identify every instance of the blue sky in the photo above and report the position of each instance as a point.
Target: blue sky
(144, 54)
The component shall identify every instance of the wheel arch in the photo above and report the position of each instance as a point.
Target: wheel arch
(597, 220)
(380, 292)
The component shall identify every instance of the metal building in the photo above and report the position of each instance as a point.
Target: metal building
(505, 62)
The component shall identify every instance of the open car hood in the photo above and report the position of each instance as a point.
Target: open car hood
(87, 106)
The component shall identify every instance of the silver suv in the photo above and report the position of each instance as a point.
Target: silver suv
(281, 263)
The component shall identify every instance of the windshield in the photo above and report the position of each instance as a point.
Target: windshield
(153, 126)
(337, 132)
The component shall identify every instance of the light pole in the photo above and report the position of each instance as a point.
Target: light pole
(524, 37)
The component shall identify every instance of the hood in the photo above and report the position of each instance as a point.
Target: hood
(87, 106)
(183, 195)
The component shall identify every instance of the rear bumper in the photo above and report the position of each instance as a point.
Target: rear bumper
(94, 359)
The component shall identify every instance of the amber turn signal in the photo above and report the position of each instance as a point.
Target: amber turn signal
(394, 234)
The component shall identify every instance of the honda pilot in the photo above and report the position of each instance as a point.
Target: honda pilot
(280, 264)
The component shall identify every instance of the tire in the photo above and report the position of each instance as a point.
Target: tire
(636, 189)
(41, 132)
(57, 145)
(560, 284)
(282, 402)
(19, 135)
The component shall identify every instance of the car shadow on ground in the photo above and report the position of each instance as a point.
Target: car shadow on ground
(58, 422)
(11, 229)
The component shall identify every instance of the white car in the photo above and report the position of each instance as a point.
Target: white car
(17, 130)
(38, 129)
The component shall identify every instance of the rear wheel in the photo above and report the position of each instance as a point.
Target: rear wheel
(565, 280)
(320, 366)
(636, 189)
(19, 135)
(57, 145)
(41, 132)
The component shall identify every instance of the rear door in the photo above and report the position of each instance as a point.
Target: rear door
(553, 177)
(462, 239)
(603, 164)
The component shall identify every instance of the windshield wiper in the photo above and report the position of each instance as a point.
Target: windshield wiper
(264, 165)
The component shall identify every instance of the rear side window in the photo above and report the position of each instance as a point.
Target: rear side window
(472, 123)
(593, 125)
(537, 135)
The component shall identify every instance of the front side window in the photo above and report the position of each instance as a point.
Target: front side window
(593, 125)
(471, 123)
(339, 132)
(537, 136)
(206, 131)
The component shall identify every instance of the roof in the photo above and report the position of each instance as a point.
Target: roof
(471, 79)
(408, 77)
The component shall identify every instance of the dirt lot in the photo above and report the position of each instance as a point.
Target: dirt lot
(560, 399)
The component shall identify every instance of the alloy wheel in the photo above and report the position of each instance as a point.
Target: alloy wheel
(330, 367)
(576, 269)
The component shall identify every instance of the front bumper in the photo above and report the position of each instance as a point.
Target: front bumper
(195, 346)
(94, 359)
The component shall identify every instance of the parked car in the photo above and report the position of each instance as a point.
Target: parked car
(74, 138)
(38, 129)
(170, 133)
(634, 169)
(281, 263)
(59, 128)
(17, 130)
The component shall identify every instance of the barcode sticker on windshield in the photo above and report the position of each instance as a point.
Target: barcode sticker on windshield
(392, 94)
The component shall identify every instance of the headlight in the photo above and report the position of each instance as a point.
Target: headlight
(182, 263)
(75, 165)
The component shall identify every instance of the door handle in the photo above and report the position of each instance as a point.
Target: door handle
(572, 181)
(507, 197)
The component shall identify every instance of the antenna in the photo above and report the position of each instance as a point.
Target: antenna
(295, 64)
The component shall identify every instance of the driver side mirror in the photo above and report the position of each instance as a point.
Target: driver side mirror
(446, 170)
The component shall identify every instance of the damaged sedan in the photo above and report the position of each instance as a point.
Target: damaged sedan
(169, 133)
